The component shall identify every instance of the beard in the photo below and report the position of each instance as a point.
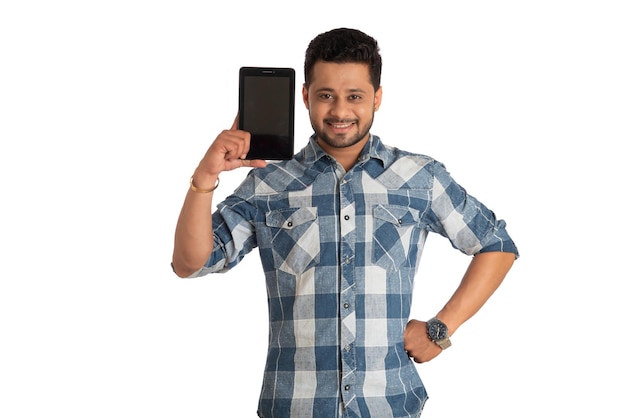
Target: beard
(343, 140)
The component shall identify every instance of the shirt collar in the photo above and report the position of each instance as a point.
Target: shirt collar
(374, 148)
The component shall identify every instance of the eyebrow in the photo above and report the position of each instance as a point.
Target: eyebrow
(328, 89)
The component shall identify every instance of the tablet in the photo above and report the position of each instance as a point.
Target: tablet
(266, 110)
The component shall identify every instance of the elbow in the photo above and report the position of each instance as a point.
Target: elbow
(184, 271)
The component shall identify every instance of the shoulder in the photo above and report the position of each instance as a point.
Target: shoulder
(281, 176)
(395, 157)
(410, 169)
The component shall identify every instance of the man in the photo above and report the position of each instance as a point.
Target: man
(340, 230)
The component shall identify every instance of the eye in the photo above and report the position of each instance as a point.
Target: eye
(326, 96)
(354, 97)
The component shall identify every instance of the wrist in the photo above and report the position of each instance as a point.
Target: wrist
(437, 331)
(203, 183)
(448, 318)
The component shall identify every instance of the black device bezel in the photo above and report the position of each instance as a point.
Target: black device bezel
(268, 146)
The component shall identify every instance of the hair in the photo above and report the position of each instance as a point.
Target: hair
(344, 46)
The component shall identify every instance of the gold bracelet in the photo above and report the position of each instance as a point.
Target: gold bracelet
(195, 189)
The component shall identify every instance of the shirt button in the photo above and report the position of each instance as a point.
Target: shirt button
(347, 260)
(347, 217)
(348, 347)
(347, 387)
(346, 305)
(400, 221)
(289, 224)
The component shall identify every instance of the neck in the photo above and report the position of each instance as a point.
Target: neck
(346, 156)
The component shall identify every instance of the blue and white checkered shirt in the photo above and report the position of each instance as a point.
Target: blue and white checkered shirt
(340, 251)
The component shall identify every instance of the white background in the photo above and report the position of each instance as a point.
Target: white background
(106, 108)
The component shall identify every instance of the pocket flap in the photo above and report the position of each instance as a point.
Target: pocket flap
(291, 217)
(397, 215)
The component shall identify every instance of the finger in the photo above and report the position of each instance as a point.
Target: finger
(246, 144)
(236, 144)
(235, 123)
(253, 163)
(257, 163)
(236, 151)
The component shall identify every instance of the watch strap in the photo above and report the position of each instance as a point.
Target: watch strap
(445, 343)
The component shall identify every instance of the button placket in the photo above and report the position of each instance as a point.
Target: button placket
(347, 225)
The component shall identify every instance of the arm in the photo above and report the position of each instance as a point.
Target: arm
(483, 276)
(193, 240)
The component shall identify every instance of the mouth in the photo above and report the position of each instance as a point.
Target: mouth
(340, 126)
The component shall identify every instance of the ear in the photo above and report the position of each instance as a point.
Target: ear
(305, 96)
(378, 98)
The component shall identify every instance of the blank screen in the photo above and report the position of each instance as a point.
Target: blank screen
(266, 108)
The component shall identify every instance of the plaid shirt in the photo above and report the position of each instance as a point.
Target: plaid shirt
(340, 251)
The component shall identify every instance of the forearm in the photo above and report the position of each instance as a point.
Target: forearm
(483, 276)
(193, 240)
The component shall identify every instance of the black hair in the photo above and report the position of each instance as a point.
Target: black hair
(344, 45)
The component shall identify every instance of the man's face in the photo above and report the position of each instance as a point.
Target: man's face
(341, 101)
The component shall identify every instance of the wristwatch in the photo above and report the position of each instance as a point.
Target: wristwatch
(438, 333)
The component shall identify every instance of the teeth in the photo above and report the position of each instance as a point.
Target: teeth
(341, 125)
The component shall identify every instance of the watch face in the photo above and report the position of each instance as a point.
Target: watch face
(437, 330)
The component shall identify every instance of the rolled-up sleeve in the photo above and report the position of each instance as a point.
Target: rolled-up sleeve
(469, 225)
(233, 230)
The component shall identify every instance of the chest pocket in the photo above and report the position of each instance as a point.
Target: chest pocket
(295, 238)
(394, 244)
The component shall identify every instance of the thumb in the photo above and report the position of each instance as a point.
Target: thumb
(258, 163)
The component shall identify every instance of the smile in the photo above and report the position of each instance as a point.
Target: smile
(342, 125)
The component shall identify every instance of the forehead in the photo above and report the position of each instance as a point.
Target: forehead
(336, 76)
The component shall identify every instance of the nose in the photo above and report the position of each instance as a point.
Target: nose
(340, 109)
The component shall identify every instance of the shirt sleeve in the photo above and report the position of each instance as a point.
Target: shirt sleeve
(233, 230)
(469, 225)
